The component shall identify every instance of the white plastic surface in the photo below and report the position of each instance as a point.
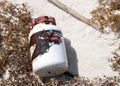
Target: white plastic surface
(53, 62)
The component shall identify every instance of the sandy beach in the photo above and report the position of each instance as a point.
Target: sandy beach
(88, 50)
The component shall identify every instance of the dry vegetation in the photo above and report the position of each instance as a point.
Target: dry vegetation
(107, 14)
(15, 57)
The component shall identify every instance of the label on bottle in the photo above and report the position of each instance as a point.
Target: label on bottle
(41, 41)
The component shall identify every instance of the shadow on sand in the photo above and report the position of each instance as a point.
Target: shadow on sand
(72, 58)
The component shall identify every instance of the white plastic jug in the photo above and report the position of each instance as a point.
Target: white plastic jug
(47, 50)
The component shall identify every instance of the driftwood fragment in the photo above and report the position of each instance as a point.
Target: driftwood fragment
(76, 14)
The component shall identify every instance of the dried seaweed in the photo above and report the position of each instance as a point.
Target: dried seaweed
(15, 26)
(106, 15)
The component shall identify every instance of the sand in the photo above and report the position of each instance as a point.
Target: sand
(88, 50)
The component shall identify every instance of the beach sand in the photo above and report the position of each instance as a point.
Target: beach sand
(89, 51)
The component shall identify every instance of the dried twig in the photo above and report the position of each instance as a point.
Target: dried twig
(76, 14)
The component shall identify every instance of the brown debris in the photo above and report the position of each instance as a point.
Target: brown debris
(15, 26)
(105, 15)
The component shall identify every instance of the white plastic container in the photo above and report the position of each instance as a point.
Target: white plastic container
(52, 60)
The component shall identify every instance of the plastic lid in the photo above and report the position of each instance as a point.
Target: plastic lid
(43, 19)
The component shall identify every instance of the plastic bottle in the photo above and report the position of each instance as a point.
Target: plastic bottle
(47, 47)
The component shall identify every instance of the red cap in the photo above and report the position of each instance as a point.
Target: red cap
(43, 19)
